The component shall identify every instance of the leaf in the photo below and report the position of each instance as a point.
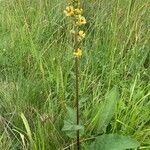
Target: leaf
(71, 115)
(21, 136)
(113, 142)
(27, 127)
(108, 108)
(26, 124)
(70, 125)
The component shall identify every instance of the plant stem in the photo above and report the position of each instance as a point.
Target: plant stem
(77, 99)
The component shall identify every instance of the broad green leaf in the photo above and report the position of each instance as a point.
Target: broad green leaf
(113, 142)
(108, 109)
(70, 125)
(70, 115)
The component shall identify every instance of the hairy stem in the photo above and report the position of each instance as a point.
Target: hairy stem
(77, 99)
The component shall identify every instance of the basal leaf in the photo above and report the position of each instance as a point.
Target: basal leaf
(114, 142)
(108, 108)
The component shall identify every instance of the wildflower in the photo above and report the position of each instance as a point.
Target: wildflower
(81, 20)
(81, 35)
(78, 11)
(72, 31)
(78, 53)
(69, 11)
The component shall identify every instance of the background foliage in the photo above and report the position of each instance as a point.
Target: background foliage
(37, 76)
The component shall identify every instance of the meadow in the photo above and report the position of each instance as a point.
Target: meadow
(37, 77)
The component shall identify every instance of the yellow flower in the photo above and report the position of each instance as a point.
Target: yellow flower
(72, 31)
(69, 11)
(81, 20)
(78, 53)
(81, 35)
(78, 11)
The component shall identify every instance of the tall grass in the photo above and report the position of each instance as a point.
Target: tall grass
(37, 77)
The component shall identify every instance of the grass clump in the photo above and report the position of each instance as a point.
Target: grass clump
(37, 71)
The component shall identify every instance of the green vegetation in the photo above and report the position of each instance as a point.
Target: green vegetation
(37, 79)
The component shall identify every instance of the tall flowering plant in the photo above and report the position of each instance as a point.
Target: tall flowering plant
(75, 11)
(106, 109)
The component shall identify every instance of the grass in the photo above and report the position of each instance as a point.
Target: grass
(37, 71)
